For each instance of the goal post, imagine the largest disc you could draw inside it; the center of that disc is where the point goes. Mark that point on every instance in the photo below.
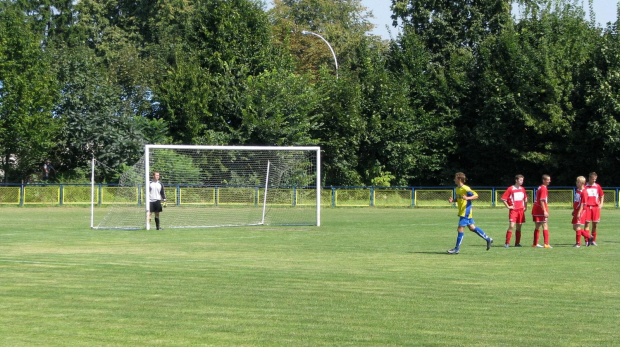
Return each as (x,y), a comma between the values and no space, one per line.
(210,186)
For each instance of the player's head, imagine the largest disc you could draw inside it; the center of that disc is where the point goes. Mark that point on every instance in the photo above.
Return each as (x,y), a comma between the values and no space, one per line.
(460,177)
(592,177)
(156,176)
(546,179)
(580,181)
(519,179)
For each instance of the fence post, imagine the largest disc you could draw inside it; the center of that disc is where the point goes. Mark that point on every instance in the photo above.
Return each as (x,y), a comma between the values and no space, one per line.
(256,191)
(372,196)
(22,193)
(333,196)
(178,199)
(139,195)
(62,193)
(412,197)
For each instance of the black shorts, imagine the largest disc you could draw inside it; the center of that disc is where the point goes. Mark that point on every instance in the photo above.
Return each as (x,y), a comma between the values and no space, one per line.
(156,206)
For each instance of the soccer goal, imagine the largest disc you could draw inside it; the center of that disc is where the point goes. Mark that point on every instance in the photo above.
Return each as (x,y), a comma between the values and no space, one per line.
(212,186)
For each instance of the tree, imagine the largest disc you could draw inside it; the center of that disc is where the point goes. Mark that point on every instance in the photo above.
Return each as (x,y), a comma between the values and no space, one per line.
(521,110)
(27,89)
(206,53)
(597,101)
(344,23)
(447,26)
(98,120)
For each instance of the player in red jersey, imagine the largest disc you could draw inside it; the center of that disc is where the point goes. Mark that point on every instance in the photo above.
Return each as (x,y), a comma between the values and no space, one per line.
(593,204)
(540,212)
(579,213)
(515,200)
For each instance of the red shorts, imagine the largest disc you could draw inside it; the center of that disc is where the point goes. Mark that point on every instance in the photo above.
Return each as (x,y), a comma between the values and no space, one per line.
(593,214)
(516,216)
(579,220)
(539,219)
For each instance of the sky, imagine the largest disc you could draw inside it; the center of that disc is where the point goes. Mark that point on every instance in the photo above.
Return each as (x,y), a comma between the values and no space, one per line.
(605,11)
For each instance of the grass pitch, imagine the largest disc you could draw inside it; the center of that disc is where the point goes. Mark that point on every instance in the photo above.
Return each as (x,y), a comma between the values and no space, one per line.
(367,276)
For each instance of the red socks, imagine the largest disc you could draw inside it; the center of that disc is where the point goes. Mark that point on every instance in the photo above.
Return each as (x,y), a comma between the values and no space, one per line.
(518,241)
(508,236)
(536,236)
(546,236)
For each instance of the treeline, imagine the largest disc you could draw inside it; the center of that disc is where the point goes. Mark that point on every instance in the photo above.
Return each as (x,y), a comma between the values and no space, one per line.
(464,86)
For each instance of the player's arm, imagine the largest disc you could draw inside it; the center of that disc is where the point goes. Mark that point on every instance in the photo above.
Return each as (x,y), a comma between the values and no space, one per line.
(470,195)
(545,207)
(602,199)
(162,192)
(505,197)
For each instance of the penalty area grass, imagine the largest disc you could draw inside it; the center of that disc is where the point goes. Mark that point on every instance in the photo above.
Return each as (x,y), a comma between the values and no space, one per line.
(367,276)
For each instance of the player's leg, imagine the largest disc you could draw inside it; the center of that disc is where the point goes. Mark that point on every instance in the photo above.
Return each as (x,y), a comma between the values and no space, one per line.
(578,232)
(596,217)
(481,233)
(537,225)
(518,235)
(511,226)
(520,219)
(459,239)
(546,235)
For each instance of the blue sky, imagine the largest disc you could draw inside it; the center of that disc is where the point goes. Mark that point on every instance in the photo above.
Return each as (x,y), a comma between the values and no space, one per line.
(605,11)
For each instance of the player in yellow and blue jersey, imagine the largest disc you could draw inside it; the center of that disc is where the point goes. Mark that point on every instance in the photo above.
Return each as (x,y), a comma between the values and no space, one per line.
(464,197)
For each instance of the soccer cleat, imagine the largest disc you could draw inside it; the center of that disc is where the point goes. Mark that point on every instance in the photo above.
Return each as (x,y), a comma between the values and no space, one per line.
(592,243)
(489,243)
(537,245)
(453,251)
(518,245)
(547,246)
(507,245)
(576,245)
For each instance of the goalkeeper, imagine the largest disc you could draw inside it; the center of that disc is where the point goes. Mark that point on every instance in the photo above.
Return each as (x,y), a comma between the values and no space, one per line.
(156,196)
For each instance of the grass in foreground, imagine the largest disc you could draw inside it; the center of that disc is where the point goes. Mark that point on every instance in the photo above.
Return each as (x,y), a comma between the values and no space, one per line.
(366,277)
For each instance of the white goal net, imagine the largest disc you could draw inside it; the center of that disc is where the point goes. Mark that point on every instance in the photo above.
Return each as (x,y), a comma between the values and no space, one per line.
(210,186)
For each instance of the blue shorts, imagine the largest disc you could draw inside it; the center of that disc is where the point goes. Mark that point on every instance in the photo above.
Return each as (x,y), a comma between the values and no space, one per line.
(464,221)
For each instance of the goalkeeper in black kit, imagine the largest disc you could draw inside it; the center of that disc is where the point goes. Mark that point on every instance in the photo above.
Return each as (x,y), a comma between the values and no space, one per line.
(156,196)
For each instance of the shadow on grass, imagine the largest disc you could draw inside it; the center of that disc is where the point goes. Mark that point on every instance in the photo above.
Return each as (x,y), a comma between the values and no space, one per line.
(444,252)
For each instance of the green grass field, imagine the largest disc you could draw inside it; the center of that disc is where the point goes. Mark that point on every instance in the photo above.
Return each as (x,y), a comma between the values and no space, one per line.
(367,276)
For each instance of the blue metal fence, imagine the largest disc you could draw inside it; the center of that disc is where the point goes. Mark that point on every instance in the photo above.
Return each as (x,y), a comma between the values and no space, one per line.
(332,196)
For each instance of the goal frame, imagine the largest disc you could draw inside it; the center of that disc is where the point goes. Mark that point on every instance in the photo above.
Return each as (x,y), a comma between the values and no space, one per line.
(317,149)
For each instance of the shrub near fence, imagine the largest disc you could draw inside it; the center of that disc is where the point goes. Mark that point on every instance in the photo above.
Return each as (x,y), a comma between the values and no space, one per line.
(79,194)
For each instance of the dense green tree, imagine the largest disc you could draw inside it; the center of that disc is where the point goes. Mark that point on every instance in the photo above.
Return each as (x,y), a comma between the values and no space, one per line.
(447,26)
(343,23)
(597,101)
(98,119)
(205,53)
(280,108)
(28,127)
(521,109)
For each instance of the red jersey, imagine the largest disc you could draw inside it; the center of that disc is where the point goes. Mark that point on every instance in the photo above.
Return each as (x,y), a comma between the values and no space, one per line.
(578,199)
(593,194)
(515,197)
(541,195)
